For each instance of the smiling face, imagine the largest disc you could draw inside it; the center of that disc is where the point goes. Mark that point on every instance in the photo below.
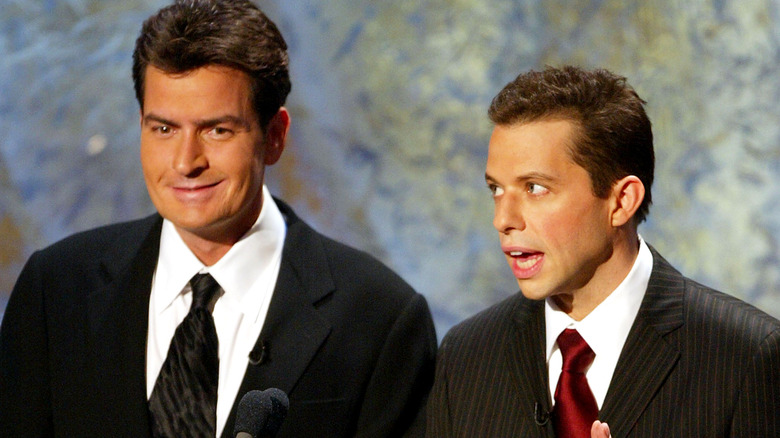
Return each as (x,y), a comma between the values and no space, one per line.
(203,152)
(557,236)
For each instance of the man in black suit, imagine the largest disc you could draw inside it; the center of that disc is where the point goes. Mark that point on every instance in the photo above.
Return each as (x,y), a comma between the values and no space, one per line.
(86,334)
(604,329)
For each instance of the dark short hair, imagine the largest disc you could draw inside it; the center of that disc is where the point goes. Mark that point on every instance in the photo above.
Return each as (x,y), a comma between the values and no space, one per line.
(614,135)
(190,34)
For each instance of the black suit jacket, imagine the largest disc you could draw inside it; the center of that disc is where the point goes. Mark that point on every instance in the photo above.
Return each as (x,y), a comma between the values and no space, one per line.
(347,339)
(696,363)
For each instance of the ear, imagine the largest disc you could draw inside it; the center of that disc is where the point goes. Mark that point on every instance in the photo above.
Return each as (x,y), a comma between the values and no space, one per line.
(276,136)
(627,194)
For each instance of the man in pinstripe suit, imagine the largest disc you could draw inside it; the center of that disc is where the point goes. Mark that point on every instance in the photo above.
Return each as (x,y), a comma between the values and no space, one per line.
(570,166)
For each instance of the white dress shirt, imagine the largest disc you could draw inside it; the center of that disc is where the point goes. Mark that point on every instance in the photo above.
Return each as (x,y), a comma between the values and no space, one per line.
(247,274)
(605,329)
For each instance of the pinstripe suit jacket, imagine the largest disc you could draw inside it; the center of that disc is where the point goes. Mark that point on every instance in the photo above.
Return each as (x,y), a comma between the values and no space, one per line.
(697,363)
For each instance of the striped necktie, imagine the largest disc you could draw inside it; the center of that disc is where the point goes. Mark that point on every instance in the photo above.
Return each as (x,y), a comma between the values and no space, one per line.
(184,399)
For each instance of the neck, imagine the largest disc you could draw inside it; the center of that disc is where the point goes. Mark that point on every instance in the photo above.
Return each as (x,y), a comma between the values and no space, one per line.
(606,278)
(208,252)
(210,246)
(210,243)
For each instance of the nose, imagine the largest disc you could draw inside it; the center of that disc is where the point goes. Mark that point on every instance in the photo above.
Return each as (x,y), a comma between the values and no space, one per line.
(507,215)
(189,159)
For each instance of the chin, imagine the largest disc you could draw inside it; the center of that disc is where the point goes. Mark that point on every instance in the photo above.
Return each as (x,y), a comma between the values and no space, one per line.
(533,293)
(191,223)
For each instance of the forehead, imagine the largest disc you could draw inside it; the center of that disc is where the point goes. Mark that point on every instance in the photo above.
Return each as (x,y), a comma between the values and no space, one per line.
(209,87)
(541,143)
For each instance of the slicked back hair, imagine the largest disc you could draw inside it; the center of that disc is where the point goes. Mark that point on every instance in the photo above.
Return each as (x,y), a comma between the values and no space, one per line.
(614,137)
(190,34)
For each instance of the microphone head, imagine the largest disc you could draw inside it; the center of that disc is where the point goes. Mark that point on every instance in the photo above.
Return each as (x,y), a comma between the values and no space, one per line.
(261,413)
(280,404)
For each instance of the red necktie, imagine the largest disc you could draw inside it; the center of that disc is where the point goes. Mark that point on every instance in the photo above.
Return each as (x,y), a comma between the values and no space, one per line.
(575,407)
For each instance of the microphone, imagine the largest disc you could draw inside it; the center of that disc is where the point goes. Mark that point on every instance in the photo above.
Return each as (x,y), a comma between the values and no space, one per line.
(260,413)
(259,354)
(541,417)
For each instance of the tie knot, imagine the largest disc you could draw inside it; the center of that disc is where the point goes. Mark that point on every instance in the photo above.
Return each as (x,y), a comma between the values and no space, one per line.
(577,354)
(204,287)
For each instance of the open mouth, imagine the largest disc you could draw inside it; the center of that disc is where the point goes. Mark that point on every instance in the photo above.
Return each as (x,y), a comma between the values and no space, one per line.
(525,264)
(525,259)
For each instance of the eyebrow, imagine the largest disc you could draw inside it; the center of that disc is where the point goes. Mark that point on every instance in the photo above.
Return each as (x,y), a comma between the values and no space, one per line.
(205,123)
(527,176)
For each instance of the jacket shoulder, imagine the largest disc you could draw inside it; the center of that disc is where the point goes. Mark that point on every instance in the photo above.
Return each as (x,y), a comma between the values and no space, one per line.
(316,257)
(493,322)
(673,300)
(720,316)
(99,239)
(82,254)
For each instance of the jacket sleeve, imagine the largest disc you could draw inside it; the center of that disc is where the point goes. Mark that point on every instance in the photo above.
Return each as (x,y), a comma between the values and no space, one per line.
(396,396)
(25,408)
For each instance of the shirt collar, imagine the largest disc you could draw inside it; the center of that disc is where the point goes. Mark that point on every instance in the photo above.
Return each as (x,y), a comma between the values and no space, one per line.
(606,327)
(176,265)
(251,259)
(237,271)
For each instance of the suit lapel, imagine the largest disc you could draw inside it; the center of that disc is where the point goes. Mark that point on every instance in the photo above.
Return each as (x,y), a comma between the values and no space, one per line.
(118,324)
(647,357)
(292,333)
(293,330)
(527,361)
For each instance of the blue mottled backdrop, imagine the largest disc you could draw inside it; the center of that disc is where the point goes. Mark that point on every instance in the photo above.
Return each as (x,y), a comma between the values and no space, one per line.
(389,134)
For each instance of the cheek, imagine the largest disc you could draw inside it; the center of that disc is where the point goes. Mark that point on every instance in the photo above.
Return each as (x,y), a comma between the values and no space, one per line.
(245,174)
(557,223)
(149,168)
(561,229)
(152,158)
(578,236)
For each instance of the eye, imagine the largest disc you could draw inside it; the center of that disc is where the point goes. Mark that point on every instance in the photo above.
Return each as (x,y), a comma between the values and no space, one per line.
(495,190)
(537,189)
(162,130)
(220,132)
